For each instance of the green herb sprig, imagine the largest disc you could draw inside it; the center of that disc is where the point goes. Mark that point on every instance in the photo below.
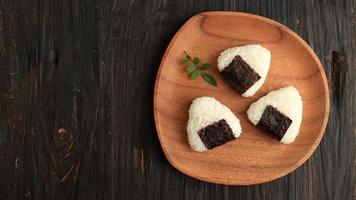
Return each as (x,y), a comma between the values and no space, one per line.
(195,71)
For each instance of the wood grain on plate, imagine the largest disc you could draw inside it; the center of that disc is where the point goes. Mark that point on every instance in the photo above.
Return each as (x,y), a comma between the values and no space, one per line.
(254,157)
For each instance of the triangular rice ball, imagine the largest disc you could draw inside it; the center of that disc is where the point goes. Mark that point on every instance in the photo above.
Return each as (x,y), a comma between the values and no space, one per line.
(245,67)
(279,113)
(211,124)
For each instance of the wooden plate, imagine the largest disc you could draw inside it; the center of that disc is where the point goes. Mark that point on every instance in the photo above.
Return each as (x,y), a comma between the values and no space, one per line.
(254,157)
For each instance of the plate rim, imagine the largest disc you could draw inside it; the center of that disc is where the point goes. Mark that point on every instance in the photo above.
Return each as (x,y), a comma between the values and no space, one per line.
(288,170)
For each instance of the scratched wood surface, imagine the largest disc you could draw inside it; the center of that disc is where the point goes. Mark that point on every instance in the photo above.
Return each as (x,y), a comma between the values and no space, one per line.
(76,99)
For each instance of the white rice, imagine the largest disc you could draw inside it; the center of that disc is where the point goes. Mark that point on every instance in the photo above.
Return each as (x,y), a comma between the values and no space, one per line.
(205,111)
(287,101)
(255,55)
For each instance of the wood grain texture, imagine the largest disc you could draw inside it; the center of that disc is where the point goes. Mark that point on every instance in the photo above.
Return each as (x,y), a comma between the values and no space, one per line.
(111,51)
(254,157)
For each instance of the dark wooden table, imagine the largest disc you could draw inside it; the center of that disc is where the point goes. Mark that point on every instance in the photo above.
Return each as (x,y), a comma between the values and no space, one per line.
(76,99)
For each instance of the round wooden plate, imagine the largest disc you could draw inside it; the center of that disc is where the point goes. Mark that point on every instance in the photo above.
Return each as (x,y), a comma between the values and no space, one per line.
(254,157)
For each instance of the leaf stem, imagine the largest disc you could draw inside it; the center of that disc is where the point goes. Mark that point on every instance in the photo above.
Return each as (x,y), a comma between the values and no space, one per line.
(196,71)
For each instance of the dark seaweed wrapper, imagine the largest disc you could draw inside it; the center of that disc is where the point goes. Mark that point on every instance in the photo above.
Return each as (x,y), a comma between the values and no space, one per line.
(274,122)
(240,75)
(216,134)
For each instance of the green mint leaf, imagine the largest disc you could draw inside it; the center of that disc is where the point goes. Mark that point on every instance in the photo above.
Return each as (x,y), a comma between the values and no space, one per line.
(196,60)
(210,79)
(186,61)
(195,75)
(205,66)
(191,68)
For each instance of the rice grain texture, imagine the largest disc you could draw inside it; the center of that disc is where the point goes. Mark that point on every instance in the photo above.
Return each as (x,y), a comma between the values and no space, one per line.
(255,55)
(205,111)
(287,101)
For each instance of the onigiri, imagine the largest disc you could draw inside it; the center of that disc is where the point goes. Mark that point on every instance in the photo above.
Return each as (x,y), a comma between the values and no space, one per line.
(279,113)
(211,124)
(245,67)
